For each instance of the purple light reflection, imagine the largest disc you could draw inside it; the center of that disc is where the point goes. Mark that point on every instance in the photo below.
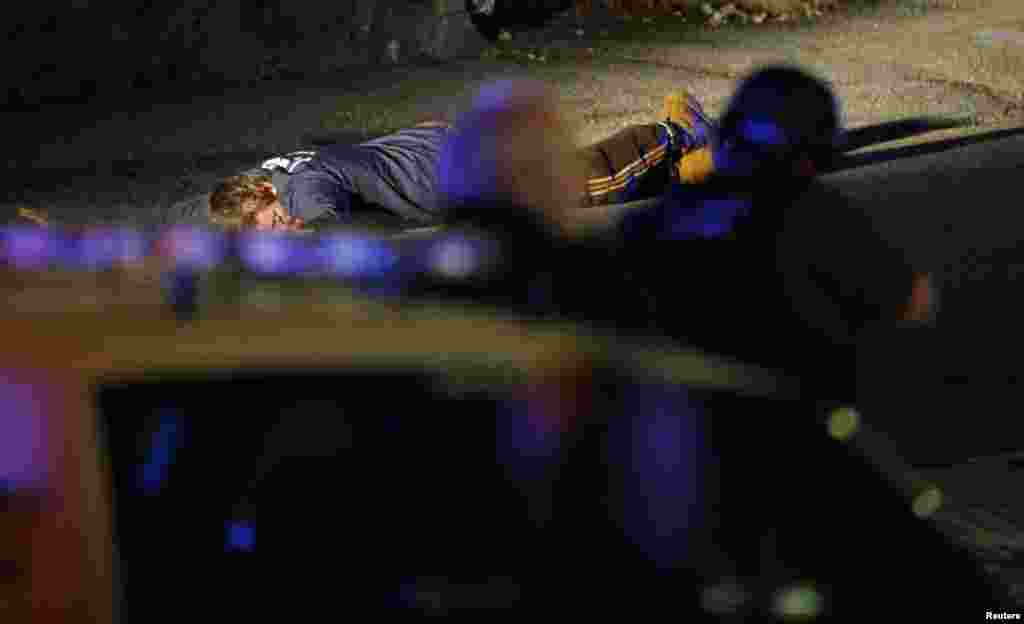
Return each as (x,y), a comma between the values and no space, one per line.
(661,445)
(527,445)
(29,247)
(101,248)
(23,461)
(194,247)
(276,253)
(456,257)
(357,256)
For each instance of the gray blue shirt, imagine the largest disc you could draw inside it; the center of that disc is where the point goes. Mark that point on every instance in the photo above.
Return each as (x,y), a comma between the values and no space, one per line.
(396,173)
(393,175)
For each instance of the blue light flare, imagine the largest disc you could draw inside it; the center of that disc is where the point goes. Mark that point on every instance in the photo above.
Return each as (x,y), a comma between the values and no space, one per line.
(708,218)
(276,253)
(757,146)
(455,257)
(356,256)
(29,247)
(194,247)
(101,248)
(240,536)
(164,445)
(664,450)
(762,132)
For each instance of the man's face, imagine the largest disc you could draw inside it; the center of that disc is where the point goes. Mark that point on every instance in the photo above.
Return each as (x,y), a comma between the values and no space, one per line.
(272,216)
(265,218)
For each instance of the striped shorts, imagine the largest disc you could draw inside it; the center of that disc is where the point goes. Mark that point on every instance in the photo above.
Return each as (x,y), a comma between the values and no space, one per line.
(634,163)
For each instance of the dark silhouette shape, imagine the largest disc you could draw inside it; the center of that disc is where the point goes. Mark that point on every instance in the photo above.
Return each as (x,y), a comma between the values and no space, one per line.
(866,136)
(843,162)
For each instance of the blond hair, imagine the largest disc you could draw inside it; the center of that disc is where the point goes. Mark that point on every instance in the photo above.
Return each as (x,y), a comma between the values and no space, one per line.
(236,199)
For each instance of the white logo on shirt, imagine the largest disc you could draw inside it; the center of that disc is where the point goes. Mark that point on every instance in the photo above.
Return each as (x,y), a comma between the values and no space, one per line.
(288,162)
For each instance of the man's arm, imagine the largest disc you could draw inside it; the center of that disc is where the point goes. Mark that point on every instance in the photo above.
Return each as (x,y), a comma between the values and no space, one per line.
(314,193)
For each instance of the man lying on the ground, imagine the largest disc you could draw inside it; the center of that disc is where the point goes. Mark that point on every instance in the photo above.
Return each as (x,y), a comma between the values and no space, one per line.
(396,175)
(760,262)
(393,174)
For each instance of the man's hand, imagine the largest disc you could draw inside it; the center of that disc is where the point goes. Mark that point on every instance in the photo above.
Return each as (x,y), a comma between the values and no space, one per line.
(274,217)
(291,224)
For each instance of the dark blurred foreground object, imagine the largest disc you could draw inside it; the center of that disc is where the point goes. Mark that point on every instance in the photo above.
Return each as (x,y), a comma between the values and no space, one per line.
(749,263)
(492,16)
(19,512)
(598,491)
(433,459)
